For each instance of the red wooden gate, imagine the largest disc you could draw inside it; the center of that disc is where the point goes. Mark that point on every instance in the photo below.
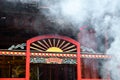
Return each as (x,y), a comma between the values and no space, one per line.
(52,36)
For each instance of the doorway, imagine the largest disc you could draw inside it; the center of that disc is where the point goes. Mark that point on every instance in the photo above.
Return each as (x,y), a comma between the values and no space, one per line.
(53,72)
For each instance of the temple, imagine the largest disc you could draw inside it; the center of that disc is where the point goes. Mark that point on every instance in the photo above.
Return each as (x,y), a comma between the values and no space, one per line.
(51,57)
(35,48)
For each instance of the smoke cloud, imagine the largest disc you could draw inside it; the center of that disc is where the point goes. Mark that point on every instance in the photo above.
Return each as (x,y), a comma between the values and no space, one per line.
(102,15)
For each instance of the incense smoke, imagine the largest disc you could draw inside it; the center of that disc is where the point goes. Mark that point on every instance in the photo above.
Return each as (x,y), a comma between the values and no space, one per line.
(102,15)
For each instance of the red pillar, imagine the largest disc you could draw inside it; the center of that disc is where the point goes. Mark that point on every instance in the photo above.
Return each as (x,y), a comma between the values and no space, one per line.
(28,61)
(78,63)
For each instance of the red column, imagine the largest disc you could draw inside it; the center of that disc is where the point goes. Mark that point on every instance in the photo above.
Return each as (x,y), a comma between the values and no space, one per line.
(28,61)
(78,63)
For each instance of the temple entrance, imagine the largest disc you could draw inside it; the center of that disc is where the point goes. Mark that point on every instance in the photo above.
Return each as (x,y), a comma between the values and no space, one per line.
(53,72)
(53,49)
